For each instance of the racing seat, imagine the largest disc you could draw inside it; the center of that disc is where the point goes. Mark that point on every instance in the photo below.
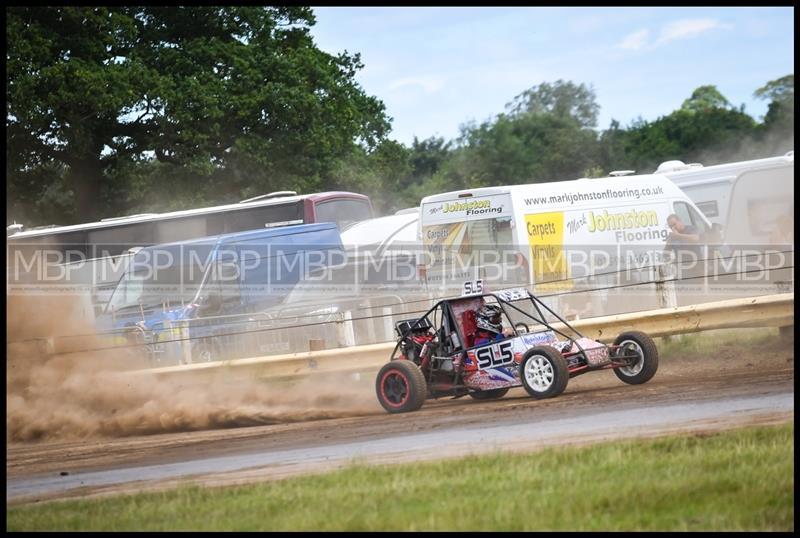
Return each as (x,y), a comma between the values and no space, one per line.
(470,326)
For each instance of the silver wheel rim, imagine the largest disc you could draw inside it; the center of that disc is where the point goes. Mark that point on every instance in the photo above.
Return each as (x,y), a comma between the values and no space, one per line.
(539,373)
(205,355)
(636,367)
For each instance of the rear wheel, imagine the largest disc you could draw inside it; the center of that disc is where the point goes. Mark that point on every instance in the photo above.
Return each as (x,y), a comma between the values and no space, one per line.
(544,372)
(643,369)
(492,394)
(400,386)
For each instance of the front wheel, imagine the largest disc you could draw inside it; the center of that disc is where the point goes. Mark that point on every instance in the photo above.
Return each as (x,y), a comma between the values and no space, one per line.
(400,386)
(642,369)
(544,372)
(491,394)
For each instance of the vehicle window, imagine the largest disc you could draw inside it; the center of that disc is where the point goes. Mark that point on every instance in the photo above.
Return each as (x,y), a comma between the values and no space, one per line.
(40,257)
(225,283)
(75,241)
(114,240)
(709,209)
(215,224)
(763,214)
(269,278)
(689,216)
(255,218)
(168,231)
(467,238)
(343,212)
(357,275)
(682,210)
(151,285)
(63,242)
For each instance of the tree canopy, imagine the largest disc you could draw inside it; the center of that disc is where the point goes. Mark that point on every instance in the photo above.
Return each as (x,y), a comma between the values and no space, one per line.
(547,135)
(780,112)
(705,98)
(563,99)
(239,97)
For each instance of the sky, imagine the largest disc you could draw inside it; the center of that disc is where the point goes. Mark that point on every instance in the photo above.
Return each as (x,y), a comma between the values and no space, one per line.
(438,68)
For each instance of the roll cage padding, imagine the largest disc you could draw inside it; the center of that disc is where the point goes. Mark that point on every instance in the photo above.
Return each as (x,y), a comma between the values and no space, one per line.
(470,326)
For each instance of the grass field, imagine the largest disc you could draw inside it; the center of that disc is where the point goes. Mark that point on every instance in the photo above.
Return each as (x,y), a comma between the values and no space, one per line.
(697,344)
(736,480)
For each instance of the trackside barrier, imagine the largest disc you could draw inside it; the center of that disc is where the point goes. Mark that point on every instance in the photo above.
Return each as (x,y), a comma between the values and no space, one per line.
(309,362)
(765,311)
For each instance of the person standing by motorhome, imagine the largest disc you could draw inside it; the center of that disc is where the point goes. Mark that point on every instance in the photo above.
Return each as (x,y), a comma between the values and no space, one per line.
(682,234)
(685,243)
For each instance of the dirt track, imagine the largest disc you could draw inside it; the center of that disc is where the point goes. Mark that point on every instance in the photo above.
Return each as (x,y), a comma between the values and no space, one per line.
(681,386)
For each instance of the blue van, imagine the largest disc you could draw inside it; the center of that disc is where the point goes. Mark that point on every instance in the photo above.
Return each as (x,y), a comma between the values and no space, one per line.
(186,301)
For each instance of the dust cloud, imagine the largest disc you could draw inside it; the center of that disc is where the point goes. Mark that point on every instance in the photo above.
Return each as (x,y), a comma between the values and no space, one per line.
(84,395)
(773,144)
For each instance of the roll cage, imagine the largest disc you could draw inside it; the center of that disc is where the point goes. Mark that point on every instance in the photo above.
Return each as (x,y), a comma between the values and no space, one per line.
(450,324)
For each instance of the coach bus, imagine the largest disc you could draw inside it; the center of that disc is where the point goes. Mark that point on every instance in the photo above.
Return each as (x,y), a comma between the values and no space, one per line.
(93,256)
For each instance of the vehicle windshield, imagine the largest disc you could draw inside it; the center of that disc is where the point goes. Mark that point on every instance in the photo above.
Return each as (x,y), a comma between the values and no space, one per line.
(153,284)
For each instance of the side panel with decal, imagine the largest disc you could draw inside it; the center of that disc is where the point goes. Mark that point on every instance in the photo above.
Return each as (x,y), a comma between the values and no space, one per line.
(494,355)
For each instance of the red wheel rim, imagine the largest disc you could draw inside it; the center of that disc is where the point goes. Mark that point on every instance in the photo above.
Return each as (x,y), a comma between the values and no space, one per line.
(395,388)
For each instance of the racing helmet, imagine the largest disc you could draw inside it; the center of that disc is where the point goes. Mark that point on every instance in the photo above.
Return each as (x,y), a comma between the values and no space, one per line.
(487,318)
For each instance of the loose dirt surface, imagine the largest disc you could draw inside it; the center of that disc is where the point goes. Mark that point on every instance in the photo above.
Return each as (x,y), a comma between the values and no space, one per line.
(729,375)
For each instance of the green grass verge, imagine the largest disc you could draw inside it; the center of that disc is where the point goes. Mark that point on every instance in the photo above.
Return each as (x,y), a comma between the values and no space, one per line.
(697,344)
(737,480)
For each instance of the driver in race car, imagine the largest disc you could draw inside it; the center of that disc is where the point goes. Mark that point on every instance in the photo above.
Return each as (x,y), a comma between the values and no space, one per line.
(490,325)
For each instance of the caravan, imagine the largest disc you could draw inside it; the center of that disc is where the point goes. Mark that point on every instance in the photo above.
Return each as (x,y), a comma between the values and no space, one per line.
(752,200)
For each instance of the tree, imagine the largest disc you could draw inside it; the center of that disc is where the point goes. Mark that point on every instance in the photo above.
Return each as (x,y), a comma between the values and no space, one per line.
(705,98)
(545,136)
(561,99)
(780,92)
(685,135)
(427,157)
(381,173)
(232,100)
(612,146)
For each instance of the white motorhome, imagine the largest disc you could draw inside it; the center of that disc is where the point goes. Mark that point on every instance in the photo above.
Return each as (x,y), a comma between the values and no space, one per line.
(752,200)
(385,235)
(552,235)
(377,285)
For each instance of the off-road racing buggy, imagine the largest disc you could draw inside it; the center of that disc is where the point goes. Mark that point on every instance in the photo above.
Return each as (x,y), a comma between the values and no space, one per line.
(445,352)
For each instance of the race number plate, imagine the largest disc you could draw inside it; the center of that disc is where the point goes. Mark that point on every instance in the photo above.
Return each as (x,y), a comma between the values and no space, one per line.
(512,294)
(472,287)
(495,355)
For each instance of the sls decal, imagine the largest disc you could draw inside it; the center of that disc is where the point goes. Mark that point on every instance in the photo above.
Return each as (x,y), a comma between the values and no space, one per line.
(495,355)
